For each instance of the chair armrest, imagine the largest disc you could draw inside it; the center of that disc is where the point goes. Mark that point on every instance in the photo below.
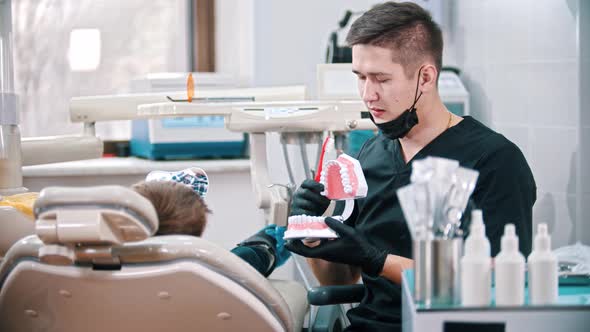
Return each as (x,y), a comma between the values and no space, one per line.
(326,295)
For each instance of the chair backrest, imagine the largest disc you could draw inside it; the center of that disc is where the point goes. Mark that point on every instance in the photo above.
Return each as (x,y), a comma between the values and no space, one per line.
(94,280)
(14,225)
(177,283)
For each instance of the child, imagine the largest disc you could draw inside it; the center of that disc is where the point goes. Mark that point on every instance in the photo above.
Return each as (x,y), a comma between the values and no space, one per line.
(179,202)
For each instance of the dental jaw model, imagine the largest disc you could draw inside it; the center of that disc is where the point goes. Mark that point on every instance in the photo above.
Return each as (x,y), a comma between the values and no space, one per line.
(343,180)
(309,228)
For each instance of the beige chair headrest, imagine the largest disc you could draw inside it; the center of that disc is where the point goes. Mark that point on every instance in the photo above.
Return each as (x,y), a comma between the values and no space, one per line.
(93,215)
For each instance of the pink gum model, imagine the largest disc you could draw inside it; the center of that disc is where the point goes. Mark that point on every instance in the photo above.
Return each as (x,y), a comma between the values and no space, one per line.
(343,178)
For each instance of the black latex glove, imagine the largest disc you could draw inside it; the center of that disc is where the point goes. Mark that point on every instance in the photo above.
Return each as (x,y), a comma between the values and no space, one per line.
(308,200)
(351,248)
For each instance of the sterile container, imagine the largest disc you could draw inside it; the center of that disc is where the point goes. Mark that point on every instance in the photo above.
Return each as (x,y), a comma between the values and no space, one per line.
(446,274)
(422,254)
(437,272)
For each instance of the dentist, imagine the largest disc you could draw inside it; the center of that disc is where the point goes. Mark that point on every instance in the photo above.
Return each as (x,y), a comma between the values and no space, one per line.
(397,57)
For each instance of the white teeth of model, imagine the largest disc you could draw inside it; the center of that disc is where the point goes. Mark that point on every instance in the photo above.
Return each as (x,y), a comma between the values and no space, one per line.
(345,178)
(346,181)
(348,189)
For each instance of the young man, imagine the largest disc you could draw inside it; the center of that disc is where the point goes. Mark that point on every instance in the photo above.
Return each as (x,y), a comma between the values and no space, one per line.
(397,57)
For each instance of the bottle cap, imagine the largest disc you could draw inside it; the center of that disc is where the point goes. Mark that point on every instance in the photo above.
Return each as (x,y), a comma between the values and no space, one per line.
(477,225)
(509,239)
(476,243)
(542,239)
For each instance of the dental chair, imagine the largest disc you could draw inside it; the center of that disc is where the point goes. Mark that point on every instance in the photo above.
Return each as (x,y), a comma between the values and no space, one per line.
(19,227)
(93,266)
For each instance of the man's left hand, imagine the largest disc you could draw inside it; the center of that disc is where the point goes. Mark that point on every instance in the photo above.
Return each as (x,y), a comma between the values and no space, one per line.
(351,248)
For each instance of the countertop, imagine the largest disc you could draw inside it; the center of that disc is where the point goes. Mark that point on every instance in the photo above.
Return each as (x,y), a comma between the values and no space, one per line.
(132,165)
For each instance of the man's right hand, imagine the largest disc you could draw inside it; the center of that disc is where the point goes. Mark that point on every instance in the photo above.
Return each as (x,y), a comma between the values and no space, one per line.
(308,200)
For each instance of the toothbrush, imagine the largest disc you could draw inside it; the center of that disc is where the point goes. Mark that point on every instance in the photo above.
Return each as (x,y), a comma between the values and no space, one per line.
(328,145)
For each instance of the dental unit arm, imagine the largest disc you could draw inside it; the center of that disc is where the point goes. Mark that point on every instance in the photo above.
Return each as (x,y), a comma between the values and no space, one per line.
(10,154)
(255,118)
(16,152)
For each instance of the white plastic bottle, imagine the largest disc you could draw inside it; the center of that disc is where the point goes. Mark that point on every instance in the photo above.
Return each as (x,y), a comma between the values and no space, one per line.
(509,271)
(476,274)
(542,264)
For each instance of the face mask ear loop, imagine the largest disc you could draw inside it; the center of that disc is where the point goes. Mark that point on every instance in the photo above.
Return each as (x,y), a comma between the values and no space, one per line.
(416,96)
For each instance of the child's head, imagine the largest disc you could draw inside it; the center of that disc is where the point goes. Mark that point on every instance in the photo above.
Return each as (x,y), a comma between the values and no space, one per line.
(180,209)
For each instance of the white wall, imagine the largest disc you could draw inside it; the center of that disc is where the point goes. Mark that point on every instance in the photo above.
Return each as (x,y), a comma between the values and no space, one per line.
(584,77)
(234,35)
(290,38)
(521,64)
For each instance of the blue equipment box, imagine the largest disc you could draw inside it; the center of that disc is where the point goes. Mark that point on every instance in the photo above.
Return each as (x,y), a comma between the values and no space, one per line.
(185,138)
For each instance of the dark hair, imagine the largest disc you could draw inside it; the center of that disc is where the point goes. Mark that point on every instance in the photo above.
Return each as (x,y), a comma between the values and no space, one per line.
(180,209)
(405,27)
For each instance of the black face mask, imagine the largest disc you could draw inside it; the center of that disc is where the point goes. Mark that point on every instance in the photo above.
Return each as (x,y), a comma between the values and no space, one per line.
(400,126)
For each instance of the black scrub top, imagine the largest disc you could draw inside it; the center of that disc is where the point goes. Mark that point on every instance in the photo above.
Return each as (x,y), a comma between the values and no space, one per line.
(505,192)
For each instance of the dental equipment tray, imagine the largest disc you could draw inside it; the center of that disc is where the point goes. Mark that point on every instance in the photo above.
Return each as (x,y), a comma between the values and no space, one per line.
(570,313)
(185,138)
